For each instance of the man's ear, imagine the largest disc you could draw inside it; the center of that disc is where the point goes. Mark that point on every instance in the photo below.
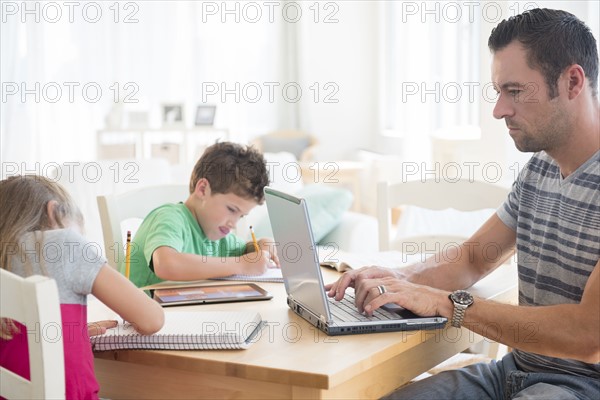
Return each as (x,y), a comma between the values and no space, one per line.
(575,76)
(51,208)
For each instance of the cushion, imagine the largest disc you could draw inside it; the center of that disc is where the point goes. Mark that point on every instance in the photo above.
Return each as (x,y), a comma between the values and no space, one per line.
(417,221)
(326,206)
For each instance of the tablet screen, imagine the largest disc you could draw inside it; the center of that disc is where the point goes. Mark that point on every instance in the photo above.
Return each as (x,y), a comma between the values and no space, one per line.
(210,294)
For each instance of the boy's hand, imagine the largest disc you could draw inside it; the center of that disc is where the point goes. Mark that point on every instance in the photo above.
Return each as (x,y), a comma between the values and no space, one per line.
(268,244)
(255,263)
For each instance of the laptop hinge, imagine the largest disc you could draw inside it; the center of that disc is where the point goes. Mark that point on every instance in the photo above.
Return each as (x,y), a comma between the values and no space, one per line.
(322,318)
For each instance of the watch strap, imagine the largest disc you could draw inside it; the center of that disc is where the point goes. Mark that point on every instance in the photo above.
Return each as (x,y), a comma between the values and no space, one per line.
(458,315)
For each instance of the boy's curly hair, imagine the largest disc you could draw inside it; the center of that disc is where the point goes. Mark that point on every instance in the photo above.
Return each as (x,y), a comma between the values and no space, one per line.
(232,168)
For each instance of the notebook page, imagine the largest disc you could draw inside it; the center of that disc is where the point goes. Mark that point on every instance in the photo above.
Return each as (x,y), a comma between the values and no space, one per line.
(271,275)
(343,261)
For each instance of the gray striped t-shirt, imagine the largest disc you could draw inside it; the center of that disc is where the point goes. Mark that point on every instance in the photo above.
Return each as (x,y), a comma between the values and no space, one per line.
(557,222)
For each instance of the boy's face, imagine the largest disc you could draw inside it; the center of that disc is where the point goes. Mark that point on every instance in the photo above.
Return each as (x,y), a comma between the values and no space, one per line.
(218,213)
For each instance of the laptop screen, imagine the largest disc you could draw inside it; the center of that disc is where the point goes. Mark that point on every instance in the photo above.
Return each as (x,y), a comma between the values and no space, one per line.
(297,251)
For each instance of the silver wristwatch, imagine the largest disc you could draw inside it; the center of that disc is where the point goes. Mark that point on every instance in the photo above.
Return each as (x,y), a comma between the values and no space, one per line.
(462,300)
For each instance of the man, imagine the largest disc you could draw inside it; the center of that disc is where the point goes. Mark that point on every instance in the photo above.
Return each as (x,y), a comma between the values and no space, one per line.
(545,69)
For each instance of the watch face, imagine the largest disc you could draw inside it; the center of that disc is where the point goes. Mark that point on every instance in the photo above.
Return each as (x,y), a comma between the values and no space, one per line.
(462,297)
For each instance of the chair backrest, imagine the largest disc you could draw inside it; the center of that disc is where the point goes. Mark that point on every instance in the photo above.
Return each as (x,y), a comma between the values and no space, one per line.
(132,207)
(34,302)
(86,180)
(301,144)
(461,195)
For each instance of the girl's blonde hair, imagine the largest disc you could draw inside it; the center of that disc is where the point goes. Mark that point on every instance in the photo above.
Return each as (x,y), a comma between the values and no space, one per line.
(24,208)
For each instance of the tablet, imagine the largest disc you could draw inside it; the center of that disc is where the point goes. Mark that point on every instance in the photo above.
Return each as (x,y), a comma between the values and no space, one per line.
(210,294)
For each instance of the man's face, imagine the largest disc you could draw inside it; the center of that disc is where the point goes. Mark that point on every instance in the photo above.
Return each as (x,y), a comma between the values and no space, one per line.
(535,121)
(219,213)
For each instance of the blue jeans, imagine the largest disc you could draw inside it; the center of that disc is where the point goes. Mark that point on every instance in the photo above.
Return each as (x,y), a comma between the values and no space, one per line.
(499,380)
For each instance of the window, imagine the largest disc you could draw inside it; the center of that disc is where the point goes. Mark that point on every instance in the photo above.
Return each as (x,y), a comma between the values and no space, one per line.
(132,57)
(431,67)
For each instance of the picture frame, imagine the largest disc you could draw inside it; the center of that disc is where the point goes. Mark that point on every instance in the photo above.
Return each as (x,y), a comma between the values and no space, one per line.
(205,115)
(172,115)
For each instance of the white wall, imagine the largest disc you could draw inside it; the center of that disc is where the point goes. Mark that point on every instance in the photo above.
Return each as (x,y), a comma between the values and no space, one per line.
(345,54)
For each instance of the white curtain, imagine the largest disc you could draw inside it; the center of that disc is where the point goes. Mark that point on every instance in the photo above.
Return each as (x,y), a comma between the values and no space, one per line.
(142,54)
(431,66)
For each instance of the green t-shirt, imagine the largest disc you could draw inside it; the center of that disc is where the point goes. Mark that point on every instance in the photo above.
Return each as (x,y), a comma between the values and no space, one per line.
(173,225)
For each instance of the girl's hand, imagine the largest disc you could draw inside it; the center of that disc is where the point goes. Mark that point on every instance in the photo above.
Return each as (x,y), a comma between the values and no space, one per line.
(100,327)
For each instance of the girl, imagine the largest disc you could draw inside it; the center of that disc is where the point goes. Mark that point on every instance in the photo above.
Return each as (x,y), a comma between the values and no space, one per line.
(40,231)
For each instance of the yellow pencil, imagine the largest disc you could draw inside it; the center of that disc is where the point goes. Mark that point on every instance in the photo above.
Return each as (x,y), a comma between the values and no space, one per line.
(256,248)
(127,254)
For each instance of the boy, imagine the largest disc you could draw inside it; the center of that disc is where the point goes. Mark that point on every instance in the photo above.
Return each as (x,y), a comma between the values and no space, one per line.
(192,240)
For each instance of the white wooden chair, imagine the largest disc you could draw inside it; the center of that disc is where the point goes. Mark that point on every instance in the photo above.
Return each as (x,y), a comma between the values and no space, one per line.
(461,195)
(87,180)
(125,211)
(34,302)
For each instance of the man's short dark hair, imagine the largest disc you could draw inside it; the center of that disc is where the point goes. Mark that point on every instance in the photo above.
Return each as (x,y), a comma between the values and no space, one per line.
(232,168)
(554,40)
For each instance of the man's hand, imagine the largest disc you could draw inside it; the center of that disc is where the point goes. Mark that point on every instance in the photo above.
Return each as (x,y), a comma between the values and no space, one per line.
(354,279)
(421,300)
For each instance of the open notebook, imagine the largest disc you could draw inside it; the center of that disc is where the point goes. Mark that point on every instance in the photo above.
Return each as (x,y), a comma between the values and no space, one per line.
(344,261)
(270,275)
(187,330)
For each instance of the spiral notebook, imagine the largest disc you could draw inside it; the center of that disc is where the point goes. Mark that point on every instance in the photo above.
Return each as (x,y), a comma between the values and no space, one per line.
(187,330)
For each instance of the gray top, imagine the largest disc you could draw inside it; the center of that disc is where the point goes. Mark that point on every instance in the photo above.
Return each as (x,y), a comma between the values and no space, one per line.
(68,257)
(557,222)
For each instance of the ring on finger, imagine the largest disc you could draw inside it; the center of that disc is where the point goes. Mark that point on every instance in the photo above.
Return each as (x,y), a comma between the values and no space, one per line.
(381,289)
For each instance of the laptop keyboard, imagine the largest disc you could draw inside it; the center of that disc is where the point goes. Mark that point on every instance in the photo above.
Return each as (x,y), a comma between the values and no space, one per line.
(345,310)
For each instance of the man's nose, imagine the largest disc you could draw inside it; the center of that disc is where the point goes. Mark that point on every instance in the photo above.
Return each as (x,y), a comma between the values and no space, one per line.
(503,108)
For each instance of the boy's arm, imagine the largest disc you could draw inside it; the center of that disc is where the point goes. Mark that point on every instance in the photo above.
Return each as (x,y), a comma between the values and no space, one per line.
(169,264)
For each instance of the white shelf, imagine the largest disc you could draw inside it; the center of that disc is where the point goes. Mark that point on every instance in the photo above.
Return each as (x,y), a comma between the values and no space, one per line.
(179,145)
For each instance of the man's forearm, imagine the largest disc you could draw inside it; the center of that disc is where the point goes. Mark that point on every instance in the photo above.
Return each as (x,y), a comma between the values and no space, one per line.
(449,270)
(565,330)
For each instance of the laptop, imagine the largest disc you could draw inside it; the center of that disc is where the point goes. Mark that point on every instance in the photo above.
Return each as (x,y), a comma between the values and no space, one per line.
(303,281)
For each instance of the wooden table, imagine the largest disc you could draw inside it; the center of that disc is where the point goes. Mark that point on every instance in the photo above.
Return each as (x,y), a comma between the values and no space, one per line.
(291,359)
